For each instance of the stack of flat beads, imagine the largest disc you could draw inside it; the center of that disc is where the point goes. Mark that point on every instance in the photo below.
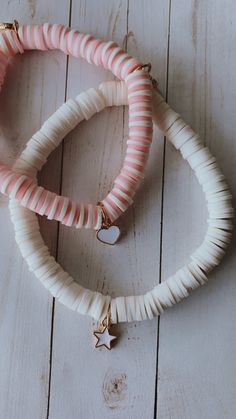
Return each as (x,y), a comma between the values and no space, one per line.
(111,57)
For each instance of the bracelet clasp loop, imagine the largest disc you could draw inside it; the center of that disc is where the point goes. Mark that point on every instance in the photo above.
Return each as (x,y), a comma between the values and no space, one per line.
(106,222)
(148,67)
(11,26)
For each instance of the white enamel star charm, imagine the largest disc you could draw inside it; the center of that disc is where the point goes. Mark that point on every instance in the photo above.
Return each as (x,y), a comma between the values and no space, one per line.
(103,338)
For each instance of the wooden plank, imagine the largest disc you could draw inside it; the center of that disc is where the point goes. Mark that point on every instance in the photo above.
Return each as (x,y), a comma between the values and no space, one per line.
(197,367)
(121,383)
(34,88)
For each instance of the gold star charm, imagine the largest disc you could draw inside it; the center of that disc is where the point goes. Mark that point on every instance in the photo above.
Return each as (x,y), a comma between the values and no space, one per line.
(103,336)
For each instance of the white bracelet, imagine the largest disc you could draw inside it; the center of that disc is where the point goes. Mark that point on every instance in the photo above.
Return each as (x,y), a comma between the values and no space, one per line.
(174,289)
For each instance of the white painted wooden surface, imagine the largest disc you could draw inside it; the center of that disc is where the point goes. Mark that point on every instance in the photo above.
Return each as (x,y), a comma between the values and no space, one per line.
(182,366)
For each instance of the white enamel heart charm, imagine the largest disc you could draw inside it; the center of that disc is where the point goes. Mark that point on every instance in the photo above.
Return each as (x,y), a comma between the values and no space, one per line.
(108,235)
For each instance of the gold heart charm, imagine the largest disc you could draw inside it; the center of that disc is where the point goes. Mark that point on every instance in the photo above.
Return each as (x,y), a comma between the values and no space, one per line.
(109,235)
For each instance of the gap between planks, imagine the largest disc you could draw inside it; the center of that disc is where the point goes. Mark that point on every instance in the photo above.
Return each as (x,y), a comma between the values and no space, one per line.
(57,237)
(155,413)
(155,404)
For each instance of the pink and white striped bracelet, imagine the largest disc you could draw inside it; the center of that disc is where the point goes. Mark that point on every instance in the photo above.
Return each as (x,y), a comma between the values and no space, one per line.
(139,85)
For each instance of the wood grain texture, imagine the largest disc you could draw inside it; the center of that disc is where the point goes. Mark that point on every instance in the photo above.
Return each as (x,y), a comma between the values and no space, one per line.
(197,338)
(183,366)
(34,88)
(114,380)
